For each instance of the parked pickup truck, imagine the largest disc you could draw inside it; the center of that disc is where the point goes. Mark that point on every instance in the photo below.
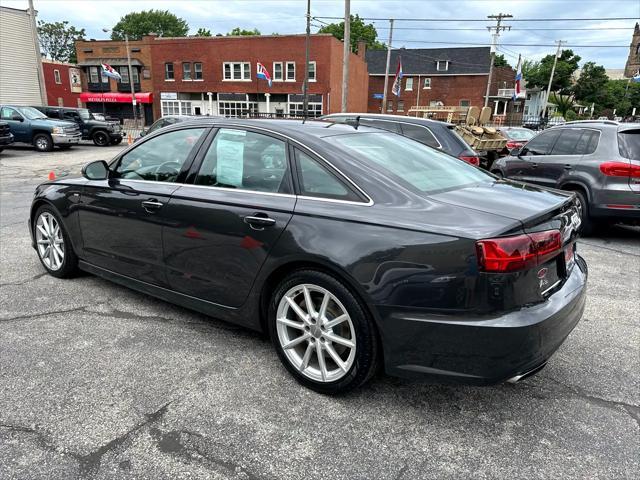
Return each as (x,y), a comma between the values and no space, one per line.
(6,137)
(103,133)
(31,126)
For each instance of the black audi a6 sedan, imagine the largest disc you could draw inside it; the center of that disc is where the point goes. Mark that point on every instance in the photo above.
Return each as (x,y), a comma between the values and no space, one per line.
(352,248)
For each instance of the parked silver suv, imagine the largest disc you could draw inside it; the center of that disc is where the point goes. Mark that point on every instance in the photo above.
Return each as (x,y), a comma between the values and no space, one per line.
(598,160)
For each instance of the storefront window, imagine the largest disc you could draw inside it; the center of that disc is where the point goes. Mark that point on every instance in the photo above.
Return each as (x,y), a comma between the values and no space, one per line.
(237,109)
(297,109)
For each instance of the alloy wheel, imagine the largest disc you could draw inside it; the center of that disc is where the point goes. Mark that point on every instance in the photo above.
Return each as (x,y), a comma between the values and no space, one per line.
(49,241)
(316,333)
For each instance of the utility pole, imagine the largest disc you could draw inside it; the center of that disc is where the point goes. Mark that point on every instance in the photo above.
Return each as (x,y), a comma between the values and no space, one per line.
(494,43)
(305,104)
(133,91)
(386,70)
(553,71)
(346,54)
(36,40)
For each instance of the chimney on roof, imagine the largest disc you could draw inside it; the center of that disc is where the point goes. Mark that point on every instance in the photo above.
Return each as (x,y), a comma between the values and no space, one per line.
(362,48)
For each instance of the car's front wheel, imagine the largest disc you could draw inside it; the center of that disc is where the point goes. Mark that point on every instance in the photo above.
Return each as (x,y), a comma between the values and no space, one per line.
(100,138)
(53,245)
(43,142)
(116,141)
(322,333)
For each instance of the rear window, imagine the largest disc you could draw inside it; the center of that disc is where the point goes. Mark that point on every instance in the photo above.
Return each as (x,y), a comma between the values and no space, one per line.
(519,134)
(420,134)
(422,168)
(629,144)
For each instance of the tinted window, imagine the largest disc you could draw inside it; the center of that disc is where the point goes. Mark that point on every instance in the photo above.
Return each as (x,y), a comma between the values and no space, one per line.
(421,134)
(567,142)
(541,144)
(70,115)
(161,158)
(588,142)
(629,144)
(6,113)
(158,125)
(382,124)
(247,160)
(518,133)
(421,167)
(317,181)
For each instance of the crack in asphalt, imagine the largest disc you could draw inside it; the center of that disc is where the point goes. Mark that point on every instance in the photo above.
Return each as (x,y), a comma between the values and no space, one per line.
(631,410)
(33,278)
(90,463)
(53,312)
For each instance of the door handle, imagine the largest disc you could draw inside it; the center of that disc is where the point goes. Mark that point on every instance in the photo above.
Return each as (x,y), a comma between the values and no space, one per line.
(258,221)
(152,205)
(534,165)
(568,166)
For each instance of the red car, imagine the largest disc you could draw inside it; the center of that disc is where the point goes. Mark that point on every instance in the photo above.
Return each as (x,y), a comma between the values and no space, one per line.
(516,138)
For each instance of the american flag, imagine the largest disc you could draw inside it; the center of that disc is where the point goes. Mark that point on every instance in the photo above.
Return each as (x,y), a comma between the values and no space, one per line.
(516,90)
(397,82)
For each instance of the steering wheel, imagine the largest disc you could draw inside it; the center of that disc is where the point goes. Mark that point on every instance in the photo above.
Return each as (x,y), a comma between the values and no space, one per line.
(167,174)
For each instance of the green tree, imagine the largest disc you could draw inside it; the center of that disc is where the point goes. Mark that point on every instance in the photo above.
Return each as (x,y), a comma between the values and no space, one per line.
(563,102)
(537,73)
(138,24)
(500,61)
(591,83)
(57,40)
(203,32)
(238,32)
(359,32)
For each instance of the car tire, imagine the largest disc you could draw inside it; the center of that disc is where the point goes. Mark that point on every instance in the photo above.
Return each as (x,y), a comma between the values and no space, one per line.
(116,141)
(49,231)
(331,358)
(587,225)
(43,142)
(100,138)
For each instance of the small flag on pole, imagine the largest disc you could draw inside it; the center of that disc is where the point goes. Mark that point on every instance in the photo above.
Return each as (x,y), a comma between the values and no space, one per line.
(397,82)
(110,72)
(261,72)
(516,90)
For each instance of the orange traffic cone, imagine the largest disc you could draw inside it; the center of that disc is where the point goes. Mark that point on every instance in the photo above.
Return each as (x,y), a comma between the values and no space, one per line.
(52,176)
(130,139)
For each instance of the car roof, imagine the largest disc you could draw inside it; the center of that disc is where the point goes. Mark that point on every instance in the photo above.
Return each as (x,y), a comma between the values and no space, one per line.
(395,118)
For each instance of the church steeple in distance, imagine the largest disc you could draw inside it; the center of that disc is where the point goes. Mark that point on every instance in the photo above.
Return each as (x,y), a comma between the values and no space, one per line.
(633,61)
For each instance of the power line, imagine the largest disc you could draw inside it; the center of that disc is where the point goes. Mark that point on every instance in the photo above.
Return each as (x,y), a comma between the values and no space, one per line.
(428,29)
(603,19)
(480,44)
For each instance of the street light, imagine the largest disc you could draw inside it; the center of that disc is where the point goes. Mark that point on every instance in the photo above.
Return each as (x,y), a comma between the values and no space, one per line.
(133,93)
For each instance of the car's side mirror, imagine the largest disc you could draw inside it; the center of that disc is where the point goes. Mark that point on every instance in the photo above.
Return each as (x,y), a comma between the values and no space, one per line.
(98,170)
(516,152)
(143,133)
(17,118)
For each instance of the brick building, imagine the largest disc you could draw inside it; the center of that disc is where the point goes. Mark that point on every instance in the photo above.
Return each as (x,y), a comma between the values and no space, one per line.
(452,77)
(104,95)
(63,82)
(217,75)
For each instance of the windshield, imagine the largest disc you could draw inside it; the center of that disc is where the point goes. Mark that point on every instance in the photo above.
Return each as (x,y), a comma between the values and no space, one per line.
(423,168)
(519,134)
(31,113)
(84,114)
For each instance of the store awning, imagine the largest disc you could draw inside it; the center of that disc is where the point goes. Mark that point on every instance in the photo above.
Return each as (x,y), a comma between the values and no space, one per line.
(112,97)
(114,62)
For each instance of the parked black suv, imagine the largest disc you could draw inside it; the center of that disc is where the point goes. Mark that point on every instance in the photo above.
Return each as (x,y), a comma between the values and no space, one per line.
(101,132)
(6,137)
(598,160)
(431,133)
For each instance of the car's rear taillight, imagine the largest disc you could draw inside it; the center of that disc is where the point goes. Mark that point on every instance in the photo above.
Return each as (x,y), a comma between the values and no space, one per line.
(620,169)
(519,252)
(469,159)
(512,145)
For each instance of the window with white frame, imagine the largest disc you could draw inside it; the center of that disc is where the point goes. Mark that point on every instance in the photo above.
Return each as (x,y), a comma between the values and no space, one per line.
(465,103)
(186,71)
(197,71)
(312,71)
(93,75)
(426,83)
(237,108)
(238,71)
(56,76)
(442,65)
(408,85)
(390,106)
(124,74)
(291,71)
(314,109)
(401,105)
(277,72)
(136,74)
(175,107)
(168,71)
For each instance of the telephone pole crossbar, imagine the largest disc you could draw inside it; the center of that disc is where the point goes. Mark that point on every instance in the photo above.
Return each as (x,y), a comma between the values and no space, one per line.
(494,43)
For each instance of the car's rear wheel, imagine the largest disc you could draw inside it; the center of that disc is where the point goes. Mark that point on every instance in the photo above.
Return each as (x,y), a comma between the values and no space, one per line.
(43,142)
(116,141)
(322,333)
(587,225)
(100,138)
(53,245)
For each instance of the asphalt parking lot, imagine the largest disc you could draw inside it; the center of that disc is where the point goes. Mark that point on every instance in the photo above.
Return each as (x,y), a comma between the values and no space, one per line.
(97,381)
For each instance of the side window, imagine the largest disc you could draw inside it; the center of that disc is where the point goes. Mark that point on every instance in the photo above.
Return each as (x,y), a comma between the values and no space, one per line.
(588,142)
(317,181)
(161,158)
(420,134)
(392,127)
(158,125)
(567,142)
(246,160)
(70,116)
(541,144)
(6,113)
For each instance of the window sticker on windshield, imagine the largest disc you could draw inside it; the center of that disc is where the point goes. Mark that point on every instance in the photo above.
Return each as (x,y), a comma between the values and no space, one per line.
(230,155)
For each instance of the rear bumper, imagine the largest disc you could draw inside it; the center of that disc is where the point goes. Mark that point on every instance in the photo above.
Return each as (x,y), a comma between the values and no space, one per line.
(481,350)
(62,139)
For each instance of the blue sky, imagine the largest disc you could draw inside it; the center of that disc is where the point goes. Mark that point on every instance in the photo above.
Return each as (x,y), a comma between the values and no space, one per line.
(287,16)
